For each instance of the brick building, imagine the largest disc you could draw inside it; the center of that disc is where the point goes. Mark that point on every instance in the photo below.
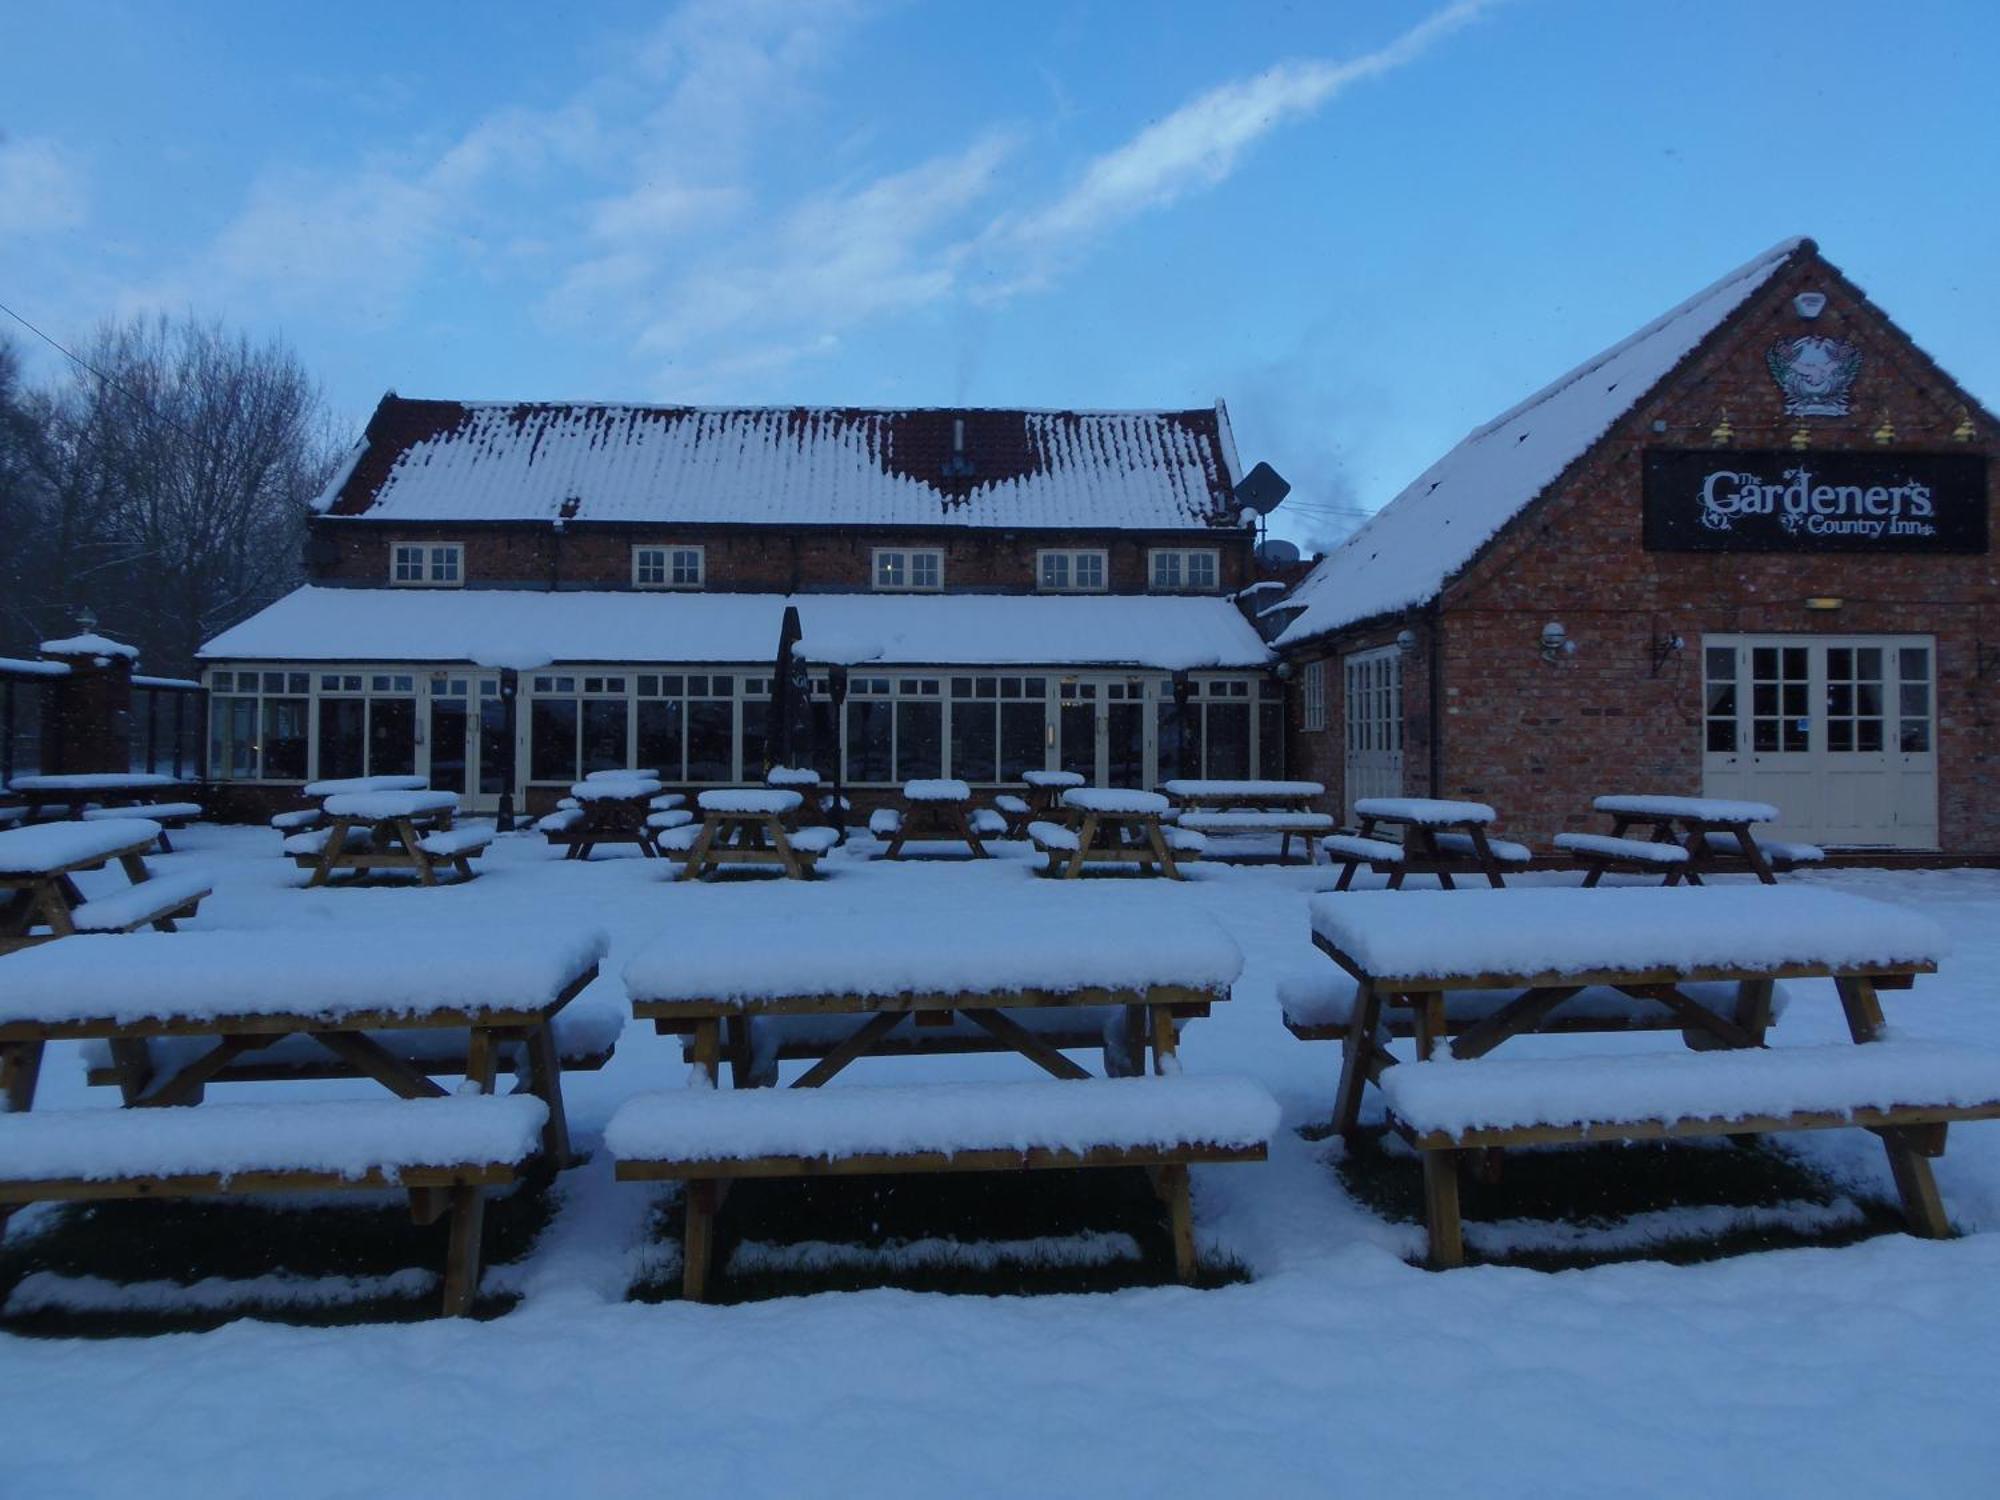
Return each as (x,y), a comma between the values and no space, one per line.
(505,597)
(1744,552)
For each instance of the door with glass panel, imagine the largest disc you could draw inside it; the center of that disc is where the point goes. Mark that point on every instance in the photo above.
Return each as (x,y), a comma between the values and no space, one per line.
(1838,732)
(465,740)
(1373,710)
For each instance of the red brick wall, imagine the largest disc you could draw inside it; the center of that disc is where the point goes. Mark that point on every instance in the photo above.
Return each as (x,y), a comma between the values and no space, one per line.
(1538,741)
(765,559)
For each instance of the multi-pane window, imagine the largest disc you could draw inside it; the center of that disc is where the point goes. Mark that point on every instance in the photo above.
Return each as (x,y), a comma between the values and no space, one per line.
(1720,719)
(1071,572)
(427,564)
(258,725)
(1191,569)
(999,727)
(1780,688)
(1374,703)
(667,567)
(909,568)
(1315,696)
(1914,737)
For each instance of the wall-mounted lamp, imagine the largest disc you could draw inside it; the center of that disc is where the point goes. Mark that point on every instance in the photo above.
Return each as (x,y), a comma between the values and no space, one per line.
(1963,432)
(1801,438)
(1809,305)
(1284,671)
(1886,432)
(1556,643)
(1406,641)
(1722,434)
(1666,648)
(1824,603)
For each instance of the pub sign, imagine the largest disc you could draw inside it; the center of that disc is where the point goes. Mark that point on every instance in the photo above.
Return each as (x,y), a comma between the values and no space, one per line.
(1776,500)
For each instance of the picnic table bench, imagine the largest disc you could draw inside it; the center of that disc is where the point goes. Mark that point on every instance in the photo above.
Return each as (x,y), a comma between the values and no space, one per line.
(241,992)
(96,795)
(389,830)
(1252,807)
(1114,826)
(1684,838)
(746,827)
(1548,948)
(607,808)
(1436,836)
(934,809)
(313,814)
(38,866)
(875,973)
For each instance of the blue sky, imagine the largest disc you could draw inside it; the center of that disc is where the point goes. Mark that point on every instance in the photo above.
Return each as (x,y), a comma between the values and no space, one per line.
(1367,227)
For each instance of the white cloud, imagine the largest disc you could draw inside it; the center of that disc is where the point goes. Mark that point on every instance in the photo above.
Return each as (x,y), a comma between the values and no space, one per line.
(41,189)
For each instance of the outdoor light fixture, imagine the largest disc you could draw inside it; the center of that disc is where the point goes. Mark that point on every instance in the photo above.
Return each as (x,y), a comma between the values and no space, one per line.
(1667,648)
(1824,603)
(1722,432)
(1406,641)
(1556,643)
(1809,304)
(1284,670)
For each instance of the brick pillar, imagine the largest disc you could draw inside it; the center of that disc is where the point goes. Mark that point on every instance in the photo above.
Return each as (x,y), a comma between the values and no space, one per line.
(88,723)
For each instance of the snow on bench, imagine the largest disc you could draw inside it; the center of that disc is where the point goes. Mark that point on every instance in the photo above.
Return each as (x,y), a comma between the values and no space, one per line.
(1317,1005)
(1601,846)
(561,821)
(813,841)
(615,789)
(1012,806)
(776,1037)
(1504,851)
(43,847)
(1196,790)
(885,822)
(350,1140)
(1115,800)
(155,812)
(1257,822)
(622,773)
(1053,838)
(798,778)
(344,784)
(1709,809)
(986,823)
(1560,930)
(1428,811)
(195,976)
(678,839)
(456,843)
(1352,847)
(668,801)
(1462,1103)
(773,803)
(936,790)
(156,900)
(703,1128)
(376,807)
(12,813)
(1777,851)
(1183,841)
(1055,945)
(669,817)
(291,822)
(1052,779)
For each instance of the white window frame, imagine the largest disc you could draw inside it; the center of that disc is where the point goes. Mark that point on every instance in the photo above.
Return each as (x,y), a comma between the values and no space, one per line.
(1071,559)
(1180,559)
(906,558)
(432,557)
(1314,694)
(670,557)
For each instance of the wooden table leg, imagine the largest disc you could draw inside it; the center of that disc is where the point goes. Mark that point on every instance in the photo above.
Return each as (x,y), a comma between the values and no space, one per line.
(329,853)
(707,1051)
(1443,1226)
(1916,1186)
(698,856)
(698,1239)
(461,1265)
(1157,837)
(1427,1010)
(1166,1045)
(1356,1051)
(20,1067)
(1171,1183)
(1751,852)
(545,1082)
(1086,835)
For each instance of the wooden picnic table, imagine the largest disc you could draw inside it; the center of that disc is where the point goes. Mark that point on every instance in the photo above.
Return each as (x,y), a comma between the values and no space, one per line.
(1716,833)
(38,866)
(1284,808)
(246,991)
(931,809)
(1045,789)
(1424,953)
(1436,836)
(1112,825)
(614,809)
(113,794)
(748,828)
(389,830)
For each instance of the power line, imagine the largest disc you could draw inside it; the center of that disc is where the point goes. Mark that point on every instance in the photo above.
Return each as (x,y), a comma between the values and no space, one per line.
(130,395)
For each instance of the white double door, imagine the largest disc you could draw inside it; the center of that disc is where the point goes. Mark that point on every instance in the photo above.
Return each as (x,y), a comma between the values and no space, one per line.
(1372,712)
(1839,732)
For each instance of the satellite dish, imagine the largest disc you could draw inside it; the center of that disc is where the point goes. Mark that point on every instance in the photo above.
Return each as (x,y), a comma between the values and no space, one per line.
(1262,489)
(1277,551)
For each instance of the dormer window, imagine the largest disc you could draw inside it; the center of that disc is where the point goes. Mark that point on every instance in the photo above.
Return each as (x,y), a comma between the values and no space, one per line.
(427,564)
(668,567)
(914,569)
(1070,572)
(1192,570)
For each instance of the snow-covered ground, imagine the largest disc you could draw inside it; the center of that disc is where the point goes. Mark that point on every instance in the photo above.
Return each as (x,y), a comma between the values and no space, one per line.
(1339,1369)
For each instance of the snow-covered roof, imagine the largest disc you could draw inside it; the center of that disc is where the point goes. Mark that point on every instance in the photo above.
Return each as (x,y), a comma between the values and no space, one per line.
(430,461)
(1406,553)
(525,628)
(89,645)
(20,666)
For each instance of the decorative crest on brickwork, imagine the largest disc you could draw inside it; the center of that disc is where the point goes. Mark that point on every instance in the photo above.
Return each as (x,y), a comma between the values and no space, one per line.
(1815,373)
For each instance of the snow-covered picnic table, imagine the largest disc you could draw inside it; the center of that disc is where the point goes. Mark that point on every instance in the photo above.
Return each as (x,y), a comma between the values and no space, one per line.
(746,827)
(241,992)
(1285,808)
(1434,836)
(885,973)
(113,794)
(400,829)
(1652,945)
(38,866)
(606,807)
(934,809)
(1684,838)
(1112,825)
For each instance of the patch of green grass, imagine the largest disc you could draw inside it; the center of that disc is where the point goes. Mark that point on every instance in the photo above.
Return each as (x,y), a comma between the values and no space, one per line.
(879,1213)
(189,1240)
(1599,1185)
